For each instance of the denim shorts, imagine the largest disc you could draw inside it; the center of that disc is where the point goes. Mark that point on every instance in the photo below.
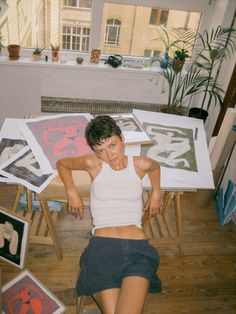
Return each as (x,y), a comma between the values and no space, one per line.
(106,261)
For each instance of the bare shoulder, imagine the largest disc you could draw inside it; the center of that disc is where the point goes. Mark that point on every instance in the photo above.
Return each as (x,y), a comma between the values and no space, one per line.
(92,161)
(85,162)
(145,164)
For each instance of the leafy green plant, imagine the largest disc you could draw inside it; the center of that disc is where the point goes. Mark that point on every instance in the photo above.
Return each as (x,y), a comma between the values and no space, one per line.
(213,47)
(1,39)
(181,54)
(38,50)
(55,46)
(179,38)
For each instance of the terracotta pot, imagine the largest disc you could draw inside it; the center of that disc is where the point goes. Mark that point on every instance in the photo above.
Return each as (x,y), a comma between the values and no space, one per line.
(14,51)
(180,111)
(177,65)
(55,55)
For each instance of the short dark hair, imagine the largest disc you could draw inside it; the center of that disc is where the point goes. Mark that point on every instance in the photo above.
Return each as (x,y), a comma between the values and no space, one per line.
(101,128)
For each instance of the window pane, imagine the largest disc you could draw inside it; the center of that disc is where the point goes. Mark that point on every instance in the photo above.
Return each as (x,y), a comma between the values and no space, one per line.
(70,3)
(136,31)
(85,3)
(43,22)
(164,17)
(153,17)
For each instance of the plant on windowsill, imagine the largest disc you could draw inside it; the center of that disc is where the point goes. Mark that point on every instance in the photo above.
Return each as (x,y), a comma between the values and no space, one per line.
(214,46)
(55,52)
(179,38)
(37,53)
(179,59)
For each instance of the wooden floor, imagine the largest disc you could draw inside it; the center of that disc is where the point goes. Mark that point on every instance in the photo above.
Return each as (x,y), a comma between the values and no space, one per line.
(202,280)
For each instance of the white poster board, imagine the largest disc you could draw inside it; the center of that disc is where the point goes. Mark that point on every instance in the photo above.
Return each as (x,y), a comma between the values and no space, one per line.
(17,161)
(54,137)
(180,147)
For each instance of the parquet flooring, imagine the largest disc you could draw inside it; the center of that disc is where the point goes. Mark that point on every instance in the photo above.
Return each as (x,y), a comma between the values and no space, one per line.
(202,280)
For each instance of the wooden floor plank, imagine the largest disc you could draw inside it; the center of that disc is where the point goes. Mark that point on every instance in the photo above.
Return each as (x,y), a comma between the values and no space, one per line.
(202,280)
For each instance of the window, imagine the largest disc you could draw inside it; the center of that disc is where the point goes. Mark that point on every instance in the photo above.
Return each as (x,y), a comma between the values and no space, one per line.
(112,36)
(159,17)
(151,53)
(116,27)
(78,3)
(75,38)
(128,32)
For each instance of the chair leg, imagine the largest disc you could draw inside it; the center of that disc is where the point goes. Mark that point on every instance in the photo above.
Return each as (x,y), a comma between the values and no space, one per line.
(20,191)
(80,304)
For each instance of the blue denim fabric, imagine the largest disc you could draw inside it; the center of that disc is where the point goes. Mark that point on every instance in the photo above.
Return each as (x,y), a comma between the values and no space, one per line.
(106,261)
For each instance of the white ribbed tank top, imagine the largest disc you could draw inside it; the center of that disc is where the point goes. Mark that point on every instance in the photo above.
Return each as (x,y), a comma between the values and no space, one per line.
(116,197)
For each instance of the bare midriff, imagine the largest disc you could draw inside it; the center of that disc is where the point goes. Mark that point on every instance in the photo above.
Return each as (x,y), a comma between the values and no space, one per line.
(122,232)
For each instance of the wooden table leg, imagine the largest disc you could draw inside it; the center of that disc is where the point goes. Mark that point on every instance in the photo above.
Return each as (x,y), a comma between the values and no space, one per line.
(51,228)
(179,220)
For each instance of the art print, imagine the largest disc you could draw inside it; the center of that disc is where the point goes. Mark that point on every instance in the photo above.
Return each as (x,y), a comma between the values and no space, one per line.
(180,147)
(25,169)
(11,142)
(173,147)
(14,234)
(55,137)
(132,130)
(9,147)
(26,294)
(95,56)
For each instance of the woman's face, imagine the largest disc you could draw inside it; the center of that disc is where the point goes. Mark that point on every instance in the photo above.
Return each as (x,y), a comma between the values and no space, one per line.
(111,150)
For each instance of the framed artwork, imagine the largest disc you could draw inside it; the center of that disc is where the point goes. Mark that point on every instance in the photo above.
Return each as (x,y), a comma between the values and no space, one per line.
(26,294)
(95,56)
(14,237)
(54,137)
(132,129)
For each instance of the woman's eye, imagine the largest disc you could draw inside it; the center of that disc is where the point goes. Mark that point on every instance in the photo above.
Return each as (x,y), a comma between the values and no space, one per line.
(113,146)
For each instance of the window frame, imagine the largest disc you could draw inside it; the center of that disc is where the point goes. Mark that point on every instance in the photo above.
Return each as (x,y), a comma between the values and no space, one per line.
(115,26)
(201,6)
(75,35)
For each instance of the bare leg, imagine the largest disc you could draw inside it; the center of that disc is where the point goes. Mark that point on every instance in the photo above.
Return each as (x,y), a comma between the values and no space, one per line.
(132,295)
(107,300)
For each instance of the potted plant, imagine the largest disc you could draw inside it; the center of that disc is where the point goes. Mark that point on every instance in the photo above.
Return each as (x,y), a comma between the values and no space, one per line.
(55,52)
(79,60)
(37,53)
(217,46)
(213,46)
(14,51)
(178,61)
(179,38)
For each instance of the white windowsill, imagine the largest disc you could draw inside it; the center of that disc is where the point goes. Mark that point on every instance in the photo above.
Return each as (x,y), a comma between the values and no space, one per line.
(69,64)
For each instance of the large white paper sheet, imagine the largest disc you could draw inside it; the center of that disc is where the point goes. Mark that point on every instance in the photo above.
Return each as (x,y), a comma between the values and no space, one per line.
(182,150)
(131,129)
(55,137)
(11,142)
(24,169)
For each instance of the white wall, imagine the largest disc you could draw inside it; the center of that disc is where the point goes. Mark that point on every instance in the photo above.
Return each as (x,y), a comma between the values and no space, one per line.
(89,81)
(19,95)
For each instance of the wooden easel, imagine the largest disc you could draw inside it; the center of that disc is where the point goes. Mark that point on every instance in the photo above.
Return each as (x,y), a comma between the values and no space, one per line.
(161,229)
(42,221)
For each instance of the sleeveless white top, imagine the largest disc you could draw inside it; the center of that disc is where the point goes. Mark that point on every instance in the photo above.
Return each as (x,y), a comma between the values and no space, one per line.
(116,197)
